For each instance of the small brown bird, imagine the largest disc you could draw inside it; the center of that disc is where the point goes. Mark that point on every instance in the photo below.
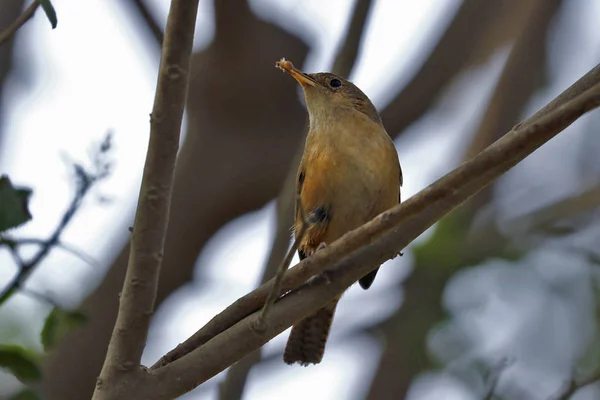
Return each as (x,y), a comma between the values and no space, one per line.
(348,175)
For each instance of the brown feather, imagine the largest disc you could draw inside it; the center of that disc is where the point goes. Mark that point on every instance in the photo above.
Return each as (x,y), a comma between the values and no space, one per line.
(306,344)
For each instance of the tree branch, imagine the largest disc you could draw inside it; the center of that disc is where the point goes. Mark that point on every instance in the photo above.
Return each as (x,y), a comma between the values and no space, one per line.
(149,20)
(19,22)
(121,373)
(229,335)
(348,52)
(447,59)
(85,180)
(574,385)
(283,267)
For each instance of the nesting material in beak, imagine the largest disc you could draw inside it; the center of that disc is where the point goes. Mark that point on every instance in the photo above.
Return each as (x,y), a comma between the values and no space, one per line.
(303,79)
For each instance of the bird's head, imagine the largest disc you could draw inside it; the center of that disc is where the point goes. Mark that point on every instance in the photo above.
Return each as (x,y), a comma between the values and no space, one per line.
(327,93)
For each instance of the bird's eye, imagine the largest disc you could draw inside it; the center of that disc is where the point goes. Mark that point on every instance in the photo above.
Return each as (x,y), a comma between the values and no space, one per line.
(335,83)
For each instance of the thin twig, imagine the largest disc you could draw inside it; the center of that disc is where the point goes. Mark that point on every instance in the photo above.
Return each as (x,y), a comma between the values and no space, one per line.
(19,22)
(493,377)
(574,385)
(285,264)
(39,296)
(86,182)
(151,23)
(231,335)
(59,245)
(449,56)
(348,53)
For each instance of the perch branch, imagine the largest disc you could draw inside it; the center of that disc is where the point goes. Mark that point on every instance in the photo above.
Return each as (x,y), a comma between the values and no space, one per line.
(283,267)
(229,335)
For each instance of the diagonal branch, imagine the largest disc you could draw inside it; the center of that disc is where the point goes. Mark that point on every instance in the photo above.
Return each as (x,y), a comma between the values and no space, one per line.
(446,60)
(230,335)
(348,53)
(19,22)
(574,385)
(121,373)
(149,20)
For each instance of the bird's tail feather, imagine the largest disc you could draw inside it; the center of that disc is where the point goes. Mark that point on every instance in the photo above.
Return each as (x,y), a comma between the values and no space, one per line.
(306,343)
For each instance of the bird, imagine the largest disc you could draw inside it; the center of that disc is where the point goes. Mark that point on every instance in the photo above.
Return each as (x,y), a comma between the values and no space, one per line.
(349,173)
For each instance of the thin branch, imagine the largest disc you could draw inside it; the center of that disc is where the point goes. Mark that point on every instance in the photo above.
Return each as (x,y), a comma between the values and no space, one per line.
(574,385)
(39,297)
(285,264)
(493,377)
(450,54)
(230,335)
(19,22)
(149,20)
(85,181)
(121,375)
(348,53)
(539,219)
(59,245)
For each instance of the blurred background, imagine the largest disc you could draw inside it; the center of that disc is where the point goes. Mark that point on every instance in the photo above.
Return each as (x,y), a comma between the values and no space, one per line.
(498,300)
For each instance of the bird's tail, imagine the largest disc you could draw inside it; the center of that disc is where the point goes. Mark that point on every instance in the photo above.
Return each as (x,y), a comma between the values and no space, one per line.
(306,343)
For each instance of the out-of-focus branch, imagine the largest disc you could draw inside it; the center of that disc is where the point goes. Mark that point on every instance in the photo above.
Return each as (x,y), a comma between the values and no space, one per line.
(149,20)
(560,210)
(121,373)
(520,78)
(348,52)
(19,22)
(285,264)
(85,179)
(447,58)
(574,385)
(357,253)
(5,241)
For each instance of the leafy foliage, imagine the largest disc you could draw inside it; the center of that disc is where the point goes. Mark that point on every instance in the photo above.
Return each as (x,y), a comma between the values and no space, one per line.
(58,323)
(21,362)
(14,210)
(50,12)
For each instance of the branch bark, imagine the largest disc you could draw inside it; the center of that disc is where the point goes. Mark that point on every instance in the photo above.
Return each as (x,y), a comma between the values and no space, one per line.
(348,52)
(121,372)
(230,335)
(19,22)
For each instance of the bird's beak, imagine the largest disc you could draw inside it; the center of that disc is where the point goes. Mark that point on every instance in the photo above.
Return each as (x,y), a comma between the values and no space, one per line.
(303,79)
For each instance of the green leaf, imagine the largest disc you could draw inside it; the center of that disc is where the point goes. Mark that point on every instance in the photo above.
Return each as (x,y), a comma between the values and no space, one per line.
(58,323)
(14,209)
(26,394)
(49,335)
(20,362)
(50,12)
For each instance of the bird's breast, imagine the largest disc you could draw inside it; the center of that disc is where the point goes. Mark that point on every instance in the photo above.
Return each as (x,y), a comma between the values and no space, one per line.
(352,173)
